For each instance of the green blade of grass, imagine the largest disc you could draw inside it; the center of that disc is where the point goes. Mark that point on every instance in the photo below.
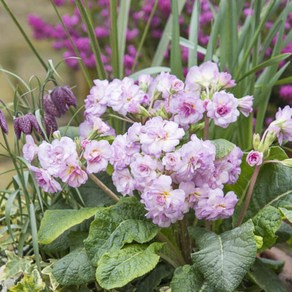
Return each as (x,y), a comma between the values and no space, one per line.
(114,38)
(164,41)
(122,30)
(194,33)
(150,70)
(175,52)
(86,18)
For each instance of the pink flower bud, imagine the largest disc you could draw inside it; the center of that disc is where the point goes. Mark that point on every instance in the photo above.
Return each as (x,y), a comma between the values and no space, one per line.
(254,158)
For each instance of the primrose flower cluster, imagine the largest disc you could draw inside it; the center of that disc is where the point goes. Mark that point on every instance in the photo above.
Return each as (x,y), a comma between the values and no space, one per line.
(159,158)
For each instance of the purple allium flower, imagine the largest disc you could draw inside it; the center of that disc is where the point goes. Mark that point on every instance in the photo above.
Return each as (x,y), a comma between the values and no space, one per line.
(245,105)
(285,93)
(29,149)
(96,101)
(45,180)
(97,154)
(216,205)
(63,97)
(123,181)
(282,126)
(160,135)
(223,109)
(3,123)
(254,158)
(26,124)
(186,109)
(164,205)
(53,156)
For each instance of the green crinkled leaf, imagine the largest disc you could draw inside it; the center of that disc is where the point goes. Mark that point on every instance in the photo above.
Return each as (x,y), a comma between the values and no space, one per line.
(73,269)
(117,225)
(273,187)
(151,281)
(93,196)
(118,268)
(223,147)
(224,259)
(276,152)
(55,222)
(266,223)
(265,278)
(29,282)
(286,213)
(188,279)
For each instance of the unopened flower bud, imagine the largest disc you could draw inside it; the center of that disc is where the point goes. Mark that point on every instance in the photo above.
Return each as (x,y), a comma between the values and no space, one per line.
(245,105)
(26,124)
(254,158)
(63,97)
(256,141)
(57,135)
(50,124)
(3,123)
(49,106)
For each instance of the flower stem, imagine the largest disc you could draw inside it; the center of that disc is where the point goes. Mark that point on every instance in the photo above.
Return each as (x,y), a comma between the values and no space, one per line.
(206,128)
(101,185)
(185,241)
(248,196)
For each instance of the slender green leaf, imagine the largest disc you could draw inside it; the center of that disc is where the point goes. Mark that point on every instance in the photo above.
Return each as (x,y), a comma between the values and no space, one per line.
(287,80)
(123,17)
(150,70)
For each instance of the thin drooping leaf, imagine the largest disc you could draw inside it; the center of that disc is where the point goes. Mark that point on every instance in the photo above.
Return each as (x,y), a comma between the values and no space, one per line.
(150,70)
(118,268)
(224,259)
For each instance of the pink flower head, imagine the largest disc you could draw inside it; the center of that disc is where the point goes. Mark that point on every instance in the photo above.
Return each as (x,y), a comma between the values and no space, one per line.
(96,101)
(254,158)
(245,105)
(30,149)
(160,135)
(216,205)
(45,180)
(186,109)
(164,205)
(97,154)
(223,109)
(171,161)
(93,124)
(124,181)
(72,174)
(144,81)
(282,126)
(53,156)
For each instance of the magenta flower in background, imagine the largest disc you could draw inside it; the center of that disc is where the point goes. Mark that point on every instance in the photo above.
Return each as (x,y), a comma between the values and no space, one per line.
(223,109)
(285,93)
(30,149)
(254,158)
(97,154)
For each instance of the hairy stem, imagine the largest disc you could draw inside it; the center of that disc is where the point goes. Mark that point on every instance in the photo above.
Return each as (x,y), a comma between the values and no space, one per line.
(101,185)
(248,196)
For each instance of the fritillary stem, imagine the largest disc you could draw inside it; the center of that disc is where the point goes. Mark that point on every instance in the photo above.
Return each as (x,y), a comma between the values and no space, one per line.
(248,196)
(101,185)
